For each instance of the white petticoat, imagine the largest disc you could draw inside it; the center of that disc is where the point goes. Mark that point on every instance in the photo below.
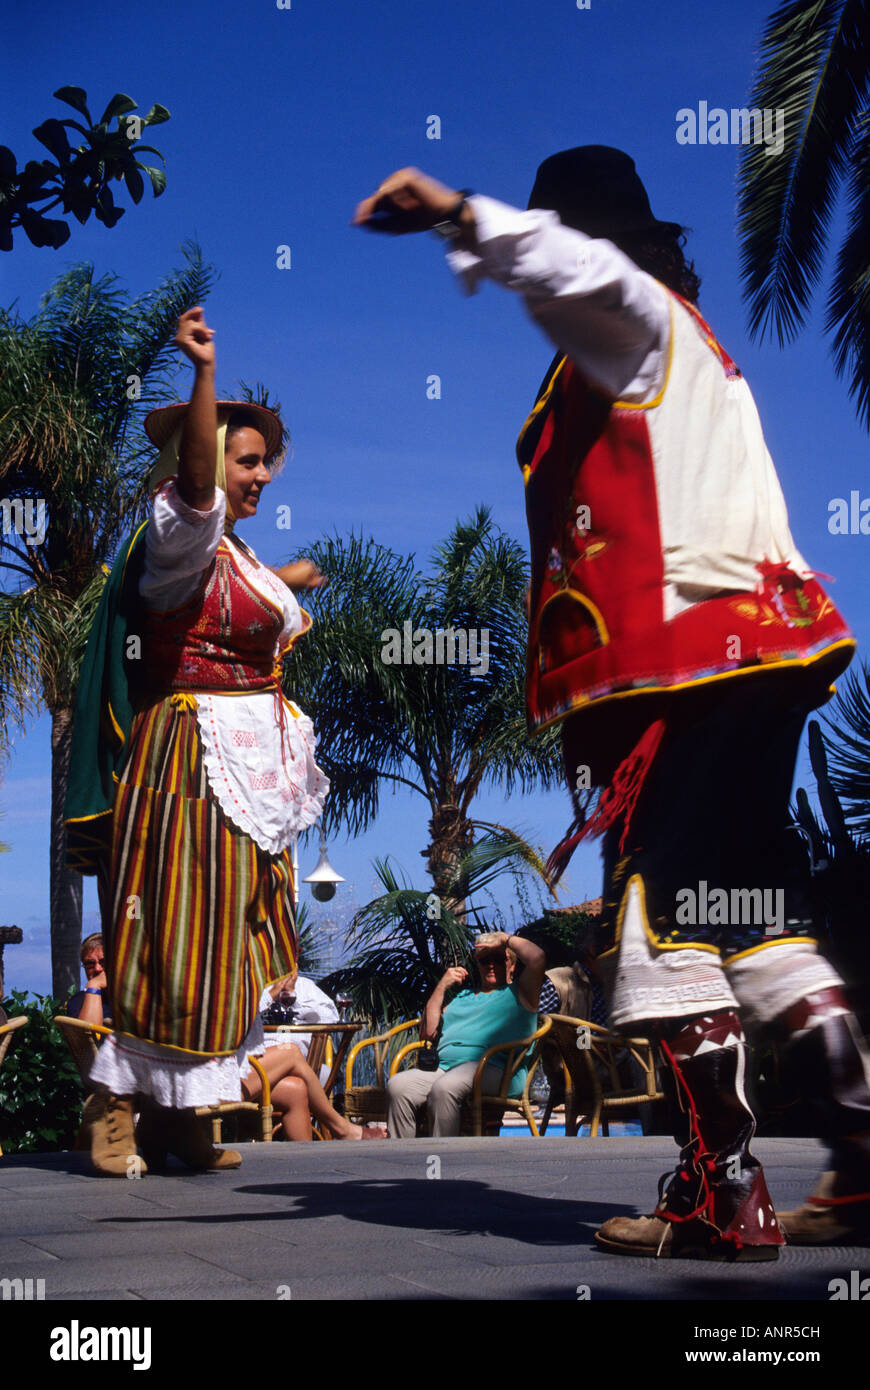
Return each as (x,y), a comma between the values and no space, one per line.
(127,1066)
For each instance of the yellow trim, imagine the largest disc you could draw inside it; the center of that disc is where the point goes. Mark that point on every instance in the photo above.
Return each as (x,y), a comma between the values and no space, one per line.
(115,725)
(76,820)
(654,940)
(656,400)
(130,547)
(597,615)
(773,941)
(540,403)
(582,702)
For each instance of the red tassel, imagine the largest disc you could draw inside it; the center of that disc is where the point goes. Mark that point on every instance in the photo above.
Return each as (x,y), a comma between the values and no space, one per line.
(618,800)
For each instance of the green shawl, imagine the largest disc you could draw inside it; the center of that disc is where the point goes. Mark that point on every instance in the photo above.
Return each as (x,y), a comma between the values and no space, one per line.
(103,712)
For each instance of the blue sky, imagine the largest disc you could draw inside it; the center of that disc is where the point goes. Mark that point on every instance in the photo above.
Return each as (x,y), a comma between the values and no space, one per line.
(281,121)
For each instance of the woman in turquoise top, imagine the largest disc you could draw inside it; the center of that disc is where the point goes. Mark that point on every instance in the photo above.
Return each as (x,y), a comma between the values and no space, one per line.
(472,1023)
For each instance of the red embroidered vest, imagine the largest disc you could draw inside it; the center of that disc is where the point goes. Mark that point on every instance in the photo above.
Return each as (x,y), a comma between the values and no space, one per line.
(597,630)
(223,639)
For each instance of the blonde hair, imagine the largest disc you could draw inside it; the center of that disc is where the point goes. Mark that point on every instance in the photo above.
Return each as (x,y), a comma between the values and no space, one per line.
(96,938)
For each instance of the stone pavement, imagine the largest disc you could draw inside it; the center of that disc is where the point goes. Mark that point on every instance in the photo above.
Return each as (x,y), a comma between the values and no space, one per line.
(506,1219)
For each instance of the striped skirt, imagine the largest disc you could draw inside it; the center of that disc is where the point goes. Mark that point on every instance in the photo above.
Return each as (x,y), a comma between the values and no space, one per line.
(198,918)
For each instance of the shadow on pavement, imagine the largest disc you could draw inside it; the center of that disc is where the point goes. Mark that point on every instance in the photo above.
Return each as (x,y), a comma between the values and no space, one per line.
(417,1204)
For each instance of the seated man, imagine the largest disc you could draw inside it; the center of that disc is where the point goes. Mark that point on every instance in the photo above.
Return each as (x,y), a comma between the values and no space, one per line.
(91,1003)
(472,1023)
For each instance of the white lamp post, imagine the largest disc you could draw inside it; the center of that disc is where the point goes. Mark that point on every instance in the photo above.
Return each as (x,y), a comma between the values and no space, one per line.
(324,878)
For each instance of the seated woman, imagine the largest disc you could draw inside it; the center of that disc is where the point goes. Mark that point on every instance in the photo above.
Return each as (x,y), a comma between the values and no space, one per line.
(296,1000)
(297,1094)
(502,1010)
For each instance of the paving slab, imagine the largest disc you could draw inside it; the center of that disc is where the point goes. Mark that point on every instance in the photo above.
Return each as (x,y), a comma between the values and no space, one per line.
(505,1219)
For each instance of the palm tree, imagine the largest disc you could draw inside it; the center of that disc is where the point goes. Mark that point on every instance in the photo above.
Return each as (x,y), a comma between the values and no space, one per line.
(406,938)
(815,69)
(840,845)
(848,749)
(444,730)
(74,382)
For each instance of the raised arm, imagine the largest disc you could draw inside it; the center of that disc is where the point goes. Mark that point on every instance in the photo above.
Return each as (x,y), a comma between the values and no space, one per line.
(534,967)
(590,299)
(430,1020)
(197,455)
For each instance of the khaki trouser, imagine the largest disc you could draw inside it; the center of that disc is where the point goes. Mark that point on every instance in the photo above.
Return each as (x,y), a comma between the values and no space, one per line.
(441,1091)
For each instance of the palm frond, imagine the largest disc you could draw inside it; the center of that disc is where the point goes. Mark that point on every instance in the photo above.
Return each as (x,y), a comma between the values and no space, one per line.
(847,745)
(848,314)
(814,70)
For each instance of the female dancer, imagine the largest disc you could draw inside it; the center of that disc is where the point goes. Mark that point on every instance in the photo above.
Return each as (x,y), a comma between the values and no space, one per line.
(190,778)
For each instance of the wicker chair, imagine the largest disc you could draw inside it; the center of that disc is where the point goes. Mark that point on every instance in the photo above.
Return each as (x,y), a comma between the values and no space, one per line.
(368,1104)
(7,1030)
(84,1038)
(594,1065)
(482,1114)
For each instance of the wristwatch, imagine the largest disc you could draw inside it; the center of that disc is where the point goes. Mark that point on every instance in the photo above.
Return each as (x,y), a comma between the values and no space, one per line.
(93,991)
(448,228)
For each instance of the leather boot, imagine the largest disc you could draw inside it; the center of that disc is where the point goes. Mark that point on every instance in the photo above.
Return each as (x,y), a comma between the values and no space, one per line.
(162,1131)
(716,1205)
(826,1063)
(108,1120)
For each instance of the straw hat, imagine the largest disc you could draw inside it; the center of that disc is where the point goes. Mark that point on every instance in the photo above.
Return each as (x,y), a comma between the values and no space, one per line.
(162,423)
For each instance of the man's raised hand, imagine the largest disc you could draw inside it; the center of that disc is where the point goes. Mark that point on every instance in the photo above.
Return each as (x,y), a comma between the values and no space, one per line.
(407,201)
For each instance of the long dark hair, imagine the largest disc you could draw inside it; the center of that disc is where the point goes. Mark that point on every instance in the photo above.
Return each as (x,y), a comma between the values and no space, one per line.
(659,251)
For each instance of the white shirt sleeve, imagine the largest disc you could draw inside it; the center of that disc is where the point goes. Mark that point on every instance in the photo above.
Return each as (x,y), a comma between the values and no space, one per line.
(591,300)
(180,543)
(313,1005)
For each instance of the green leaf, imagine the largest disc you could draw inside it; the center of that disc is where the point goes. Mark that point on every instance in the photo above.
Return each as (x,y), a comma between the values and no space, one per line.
(53,135)
(157,177)
(156,116)
(44,231)
(135,184)
(118,106)
(77,98)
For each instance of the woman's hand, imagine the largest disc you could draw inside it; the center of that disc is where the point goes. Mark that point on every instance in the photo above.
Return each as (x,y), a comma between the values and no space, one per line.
(301,574)
(456,975)
(194,338)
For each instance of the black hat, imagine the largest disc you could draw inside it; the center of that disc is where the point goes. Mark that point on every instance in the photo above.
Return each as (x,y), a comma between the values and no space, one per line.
(597,190)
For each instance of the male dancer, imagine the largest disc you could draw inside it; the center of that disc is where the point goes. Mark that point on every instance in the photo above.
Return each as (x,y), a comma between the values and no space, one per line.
(679,637)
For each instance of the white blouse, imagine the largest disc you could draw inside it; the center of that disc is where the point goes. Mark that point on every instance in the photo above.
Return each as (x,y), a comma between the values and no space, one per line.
(265,781)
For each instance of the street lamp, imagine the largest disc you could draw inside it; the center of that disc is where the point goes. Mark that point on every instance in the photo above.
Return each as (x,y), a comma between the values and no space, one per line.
(324,878)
